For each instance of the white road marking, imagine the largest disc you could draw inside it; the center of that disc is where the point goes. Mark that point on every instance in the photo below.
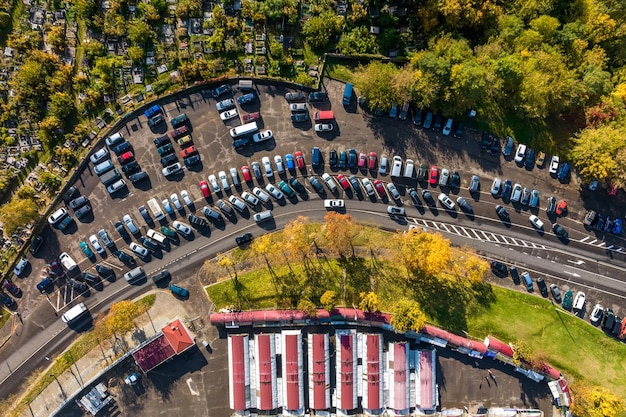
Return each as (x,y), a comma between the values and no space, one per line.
(584,239)
(193,391)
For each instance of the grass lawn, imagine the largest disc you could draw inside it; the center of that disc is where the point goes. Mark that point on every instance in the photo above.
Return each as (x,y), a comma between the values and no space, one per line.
(570,344)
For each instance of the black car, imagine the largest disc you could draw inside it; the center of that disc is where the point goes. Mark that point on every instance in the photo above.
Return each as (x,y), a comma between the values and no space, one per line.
(428,198)
(495,146)
(165,274)
(168,159)
(121,148)
(71,194)
(543,288)
(352,158)
(161,140)
(499,269)
(299,117)
(560,231)
(197,221)
(465,206)
(130,167)
(529,163)
(124,257)
(455,180)
(515,275)
(104,271)
(502,213)
(165,149)
(438,123)
(333,159)
(78,286)
(243,239)
(241,143)
(192,160)
(459,131)
(91,279)
(422,173)
(149,244)
(617,327)
(122,230)
(295,184)
(318,96)
(6,300)
(609,319)
(414,197)
(140,176)
(77,203)
(45,285)
(37,242)
(486,140)
(556,293)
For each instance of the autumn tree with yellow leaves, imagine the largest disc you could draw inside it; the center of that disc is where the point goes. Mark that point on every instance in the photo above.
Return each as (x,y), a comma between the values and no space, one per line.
(407,315)
(339,233)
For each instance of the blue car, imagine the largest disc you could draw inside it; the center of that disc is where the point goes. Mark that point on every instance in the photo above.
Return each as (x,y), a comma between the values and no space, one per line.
(44,285)
(394,111)
(343,159)
(153,111)
(222,89)
(617,227)
(507,188)
(563,171)
(179,291)
(86,250)
(246,98)
(289,162)
(352,158)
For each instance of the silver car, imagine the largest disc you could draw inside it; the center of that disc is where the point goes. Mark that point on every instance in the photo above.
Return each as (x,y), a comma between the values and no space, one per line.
(130,224)
(278,161)
(267,165)
(384,165)
(517,192)
(446,201)
(274,192)
(393,191)
(224,180)
(237,203)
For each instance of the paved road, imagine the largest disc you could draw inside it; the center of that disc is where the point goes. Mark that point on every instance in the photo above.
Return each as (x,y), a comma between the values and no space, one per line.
(353,129)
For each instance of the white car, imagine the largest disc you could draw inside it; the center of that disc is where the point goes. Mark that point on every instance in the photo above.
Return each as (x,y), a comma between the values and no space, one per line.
(172,169)
(224,180)
(128,221)
(396,211)
(249,198)
(384,163)
(393,191)
(446,201)
(521,153)
(96,244)
(228,114)
(99,155)
(447,127)
(267,165)
(535,221)
(324,127)
(495,186)
(261,195)
(67,261)
(181,228)
(444,177)
(596,314)
(579,301)
(262,136)
(367,184)
(330,182)
(554,164)
(237,203)
(234,175)
(176,201)
(186,198)
(409,167)
(396,167)
(214,184)
(275,192)
(19,268)
(138,249)
(334,204)
(278,161)
(167,206)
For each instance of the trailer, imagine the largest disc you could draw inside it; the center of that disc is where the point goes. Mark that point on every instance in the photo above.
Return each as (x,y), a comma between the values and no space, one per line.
(156,209)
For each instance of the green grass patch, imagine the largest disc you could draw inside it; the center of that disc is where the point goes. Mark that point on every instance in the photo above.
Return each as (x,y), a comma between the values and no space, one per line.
(4,317)
(341,71)
(146,303)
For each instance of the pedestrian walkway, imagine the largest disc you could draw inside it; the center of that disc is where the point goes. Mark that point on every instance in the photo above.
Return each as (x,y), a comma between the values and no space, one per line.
(86,369)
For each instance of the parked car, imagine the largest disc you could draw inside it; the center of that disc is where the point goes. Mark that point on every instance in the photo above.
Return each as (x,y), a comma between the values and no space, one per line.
(556,293)
(567,300)
(243,239)
(428,198)
(499,269)
(502,213)
(596,314)
(181,228)
(543,288)
(179,291)
(445,201)
(520,154)
(536,222)
(554,165)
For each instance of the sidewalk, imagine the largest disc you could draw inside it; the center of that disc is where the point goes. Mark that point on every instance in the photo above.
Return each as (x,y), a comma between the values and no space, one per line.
(165,309)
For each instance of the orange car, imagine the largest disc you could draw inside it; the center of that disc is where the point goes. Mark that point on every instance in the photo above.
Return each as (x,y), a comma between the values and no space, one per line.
(561,207)
(188,151)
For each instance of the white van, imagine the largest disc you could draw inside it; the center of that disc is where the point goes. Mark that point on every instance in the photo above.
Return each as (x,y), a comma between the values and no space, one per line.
(134,274)
(113,139)
(263,216)
(116,186)
(153,234)
(68,263)
(74,313)
(396,168)
(247,129)
(409,167)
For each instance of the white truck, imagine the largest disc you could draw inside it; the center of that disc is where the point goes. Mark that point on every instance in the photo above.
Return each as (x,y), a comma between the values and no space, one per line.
(155,208)
(74,313)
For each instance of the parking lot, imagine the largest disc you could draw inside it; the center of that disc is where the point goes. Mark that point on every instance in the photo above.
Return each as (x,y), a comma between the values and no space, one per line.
(353,128)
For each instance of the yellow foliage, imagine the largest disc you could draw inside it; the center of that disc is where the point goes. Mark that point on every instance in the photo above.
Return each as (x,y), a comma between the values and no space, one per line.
(339,232)
(296,239)
(466,265)
(369,302)
(329,300)
(407,315)
(423,252)
(596,402)
(121,316)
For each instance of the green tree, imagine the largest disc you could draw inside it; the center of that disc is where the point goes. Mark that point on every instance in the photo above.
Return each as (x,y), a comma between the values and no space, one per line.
(86,9)
(407,315)
(94,49)
(358,41)
(189,8)
(308,307)
(139,32)
(136,53)
(61,105)
(329,300)
(375,84)
(369,302)
(17,213)
(50,180)
(5,21)
(595,152)
(318,30)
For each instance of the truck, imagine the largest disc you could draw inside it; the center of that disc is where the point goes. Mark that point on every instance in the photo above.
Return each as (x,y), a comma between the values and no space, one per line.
(155,208)
(110,177)
(74,313)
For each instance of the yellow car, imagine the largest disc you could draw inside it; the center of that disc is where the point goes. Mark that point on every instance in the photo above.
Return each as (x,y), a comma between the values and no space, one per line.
(541,159)
(185,140)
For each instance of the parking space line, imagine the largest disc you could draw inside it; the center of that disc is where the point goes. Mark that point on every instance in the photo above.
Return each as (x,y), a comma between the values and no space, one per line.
(503,238)
(455,229)
(534,246)
(445,227)
(593,241)
(584,239)
(524,243)
(601,244)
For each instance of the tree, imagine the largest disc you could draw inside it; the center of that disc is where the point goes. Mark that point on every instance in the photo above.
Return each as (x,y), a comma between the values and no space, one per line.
(56,37)
(407,315)
(189,8)
(329,300)
(369,302)
(595,402)
(308,307)
(375,84)
(468,267)
(139,32)
(121,317)
(61,105)
(595,152)
(16,213)
(50,180)
(5,21)
(358,41)
(277,9)
(318,30)
(136,54)
(339,232)
(422,252)
(297,242)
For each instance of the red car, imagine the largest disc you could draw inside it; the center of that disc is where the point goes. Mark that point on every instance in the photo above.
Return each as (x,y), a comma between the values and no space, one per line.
(12,288)
(362,160)
(246,173)
(204,187)
(177,133)
(251,116)
(434,175)
(372,163)
(299,160)
(56,269)
(343,181)
(380,188)
(188,151)
(561,207)
(126,157)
